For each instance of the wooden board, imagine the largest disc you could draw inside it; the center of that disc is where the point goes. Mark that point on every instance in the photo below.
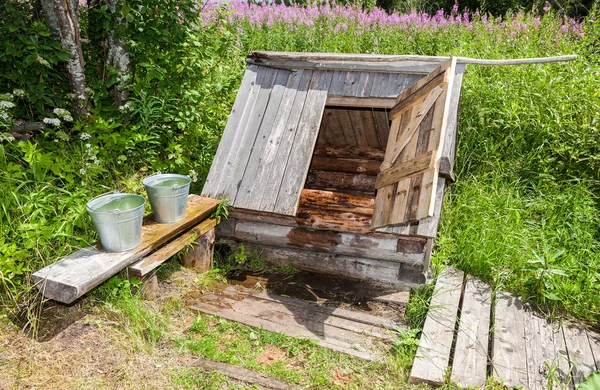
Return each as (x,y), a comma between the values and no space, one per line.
(73,276)
(402,275)
(469,366)
(332,328)
(337,201)
(448,158)
(372,246)
(303,145)
(155,259)
(410,180)
(243,375)
(508,352)
(594,339)
(580,354)
(433,354)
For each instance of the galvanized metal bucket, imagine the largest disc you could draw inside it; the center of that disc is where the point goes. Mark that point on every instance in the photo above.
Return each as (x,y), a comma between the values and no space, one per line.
(168,194)
(118,219)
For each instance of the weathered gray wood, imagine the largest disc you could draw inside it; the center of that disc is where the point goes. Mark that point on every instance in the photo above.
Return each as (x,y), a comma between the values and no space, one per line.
(278,168)
(150,288)
(69,278)
(594,339)
(357,316)
(469,367)
(156,258)
(403,275)
(372,246)
(509,354)
(543,353)
(580,353)
(244,102)
(426,227)
(393,58)
(433,354)
(367,102)
(448,157)
(416,67)
(365,83)
(239,156)
(337,83)
(243,375)
(200,255)
(303,145)
(253,181)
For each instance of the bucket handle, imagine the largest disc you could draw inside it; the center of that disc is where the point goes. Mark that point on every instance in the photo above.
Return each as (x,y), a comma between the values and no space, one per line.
(174,188)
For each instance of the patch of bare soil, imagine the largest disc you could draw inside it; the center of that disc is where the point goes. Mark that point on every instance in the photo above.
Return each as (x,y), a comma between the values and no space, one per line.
(80,347)
(271,355)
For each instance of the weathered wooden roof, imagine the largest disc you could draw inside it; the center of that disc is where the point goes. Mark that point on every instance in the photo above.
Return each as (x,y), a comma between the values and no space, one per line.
(265,152)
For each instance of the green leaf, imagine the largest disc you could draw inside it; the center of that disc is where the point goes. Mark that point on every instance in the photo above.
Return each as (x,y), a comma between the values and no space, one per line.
(592,383)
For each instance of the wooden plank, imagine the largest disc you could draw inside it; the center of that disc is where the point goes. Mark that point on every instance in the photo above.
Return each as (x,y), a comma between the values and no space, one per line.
(348,165)
(200,255)
(425,81)
(256,179)
(594,339)
(360,131)
(358,316)
(368,123)
(337,83)
(408,102)
(351,80)
(448,156)
(406,133)
(239,156)
(508,352)
(331,128)
(277,169)
(416,67)
(338,181)
(372,246)
(360,102)
(337,201)
(346,57)
(243,375)
(69,278)
(155,259)
(343,118)
(404,170)
(243,104)
(403,275)
(364,153)
(383,127)
(304,143)
(365,83)
(380,83)
(433,354)
(469,367)
(580,353)
(289,328)
(543,352)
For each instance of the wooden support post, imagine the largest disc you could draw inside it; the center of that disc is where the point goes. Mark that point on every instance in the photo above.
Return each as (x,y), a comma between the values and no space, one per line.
(201,254)
(149,286)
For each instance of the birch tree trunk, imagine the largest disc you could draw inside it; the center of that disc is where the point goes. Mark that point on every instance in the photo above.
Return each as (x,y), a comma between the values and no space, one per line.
(64,23)
(118,58)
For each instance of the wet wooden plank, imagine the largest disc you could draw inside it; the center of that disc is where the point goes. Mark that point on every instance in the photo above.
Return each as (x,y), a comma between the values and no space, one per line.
(433,355)
(164,253)
(244,102)
(469,367)
(257,178)
(508,352)
(303,145)
(580,353)
(69,278)
(286,143)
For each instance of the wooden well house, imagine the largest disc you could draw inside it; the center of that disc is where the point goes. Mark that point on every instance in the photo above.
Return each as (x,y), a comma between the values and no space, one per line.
(338,164)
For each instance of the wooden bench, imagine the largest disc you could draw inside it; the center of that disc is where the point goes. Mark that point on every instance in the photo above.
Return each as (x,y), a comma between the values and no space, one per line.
(71,277)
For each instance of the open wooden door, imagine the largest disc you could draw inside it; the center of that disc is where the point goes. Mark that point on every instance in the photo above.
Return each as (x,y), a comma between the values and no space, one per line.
(408,176)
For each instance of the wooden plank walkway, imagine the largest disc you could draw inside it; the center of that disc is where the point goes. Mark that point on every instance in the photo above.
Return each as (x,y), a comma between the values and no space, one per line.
(348,331)
(473,336)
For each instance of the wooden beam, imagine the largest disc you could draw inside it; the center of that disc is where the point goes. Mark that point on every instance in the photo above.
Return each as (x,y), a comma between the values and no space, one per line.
(200,256)
(154,260)
(337,201)
(360,102)
(353,152)
(340,181)
(406,101)
(332,164)
(404,170)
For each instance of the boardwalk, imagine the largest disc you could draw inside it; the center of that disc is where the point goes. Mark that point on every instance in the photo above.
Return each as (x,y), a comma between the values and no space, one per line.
(475,334)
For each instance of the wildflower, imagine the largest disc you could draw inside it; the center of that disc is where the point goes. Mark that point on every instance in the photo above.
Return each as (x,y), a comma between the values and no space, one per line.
(82,171)
(52,121)
(4,105)
(10,138)
(4,116)
(88,146)
(547,6)
(19,93)
(63,114)
(193,175)
(85,136)
(126,107)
